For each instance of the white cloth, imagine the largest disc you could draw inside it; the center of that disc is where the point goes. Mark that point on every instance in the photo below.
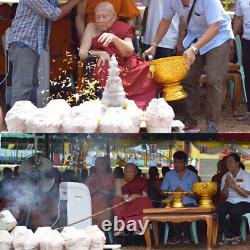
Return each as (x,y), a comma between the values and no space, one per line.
(242,179)
(243,9)
(155,13)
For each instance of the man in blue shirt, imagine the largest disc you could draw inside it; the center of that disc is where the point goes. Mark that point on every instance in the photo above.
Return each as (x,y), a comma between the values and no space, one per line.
(207,43)
(29,36)
(180,179)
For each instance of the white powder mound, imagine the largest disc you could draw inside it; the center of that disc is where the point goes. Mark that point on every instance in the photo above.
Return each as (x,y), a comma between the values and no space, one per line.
(18,115)
(49,239)
(56,242)
(134,112)
(159,116)
(84,118)
(75,239)
(117,120)
(26,241)
(36,123)
(6,240)
(97,237)
(19,230)
(58,108)
(7,220)
(111,121)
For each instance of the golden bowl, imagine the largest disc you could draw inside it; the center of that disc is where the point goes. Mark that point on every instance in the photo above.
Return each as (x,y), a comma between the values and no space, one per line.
(169,72)
(177,198)
(205,191)
(167,203)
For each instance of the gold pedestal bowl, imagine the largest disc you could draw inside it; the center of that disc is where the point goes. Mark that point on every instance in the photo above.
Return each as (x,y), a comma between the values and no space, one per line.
(169,72)
(205,191)
(177,199)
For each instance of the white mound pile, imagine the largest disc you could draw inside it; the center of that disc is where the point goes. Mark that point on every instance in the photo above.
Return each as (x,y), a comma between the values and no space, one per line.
(75,239)
(6,240)
(18,115)
(49,239)
(159,116)
(113,114)
(26,241)
(7,220)
(97,237)
(83,118)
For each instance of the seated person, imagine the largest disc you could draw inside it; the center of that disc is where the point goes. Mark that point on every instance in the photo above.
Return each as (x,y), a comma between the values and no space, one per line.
(107,37)
(125,9)
(132,189)
(218,199)
(101,187)
(154,187)
(235,187)
(180,179)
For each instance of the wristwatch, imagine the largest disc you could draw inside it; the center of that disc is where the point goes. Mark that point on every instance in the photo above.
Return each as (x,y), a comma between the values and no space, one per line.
(195,49)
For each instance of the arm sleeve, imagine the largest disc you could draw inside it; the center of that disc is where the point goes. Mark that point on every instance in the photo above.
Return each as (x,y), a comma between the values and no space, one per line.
(165,183)
(223,182)
(247,186)
(238,11)
(168,11)
(44,9)
(130,33)
(213,11)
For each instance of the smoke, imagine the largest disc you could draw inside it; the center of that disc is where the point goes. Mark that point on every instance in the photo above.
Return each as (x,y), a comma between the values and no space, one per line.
(21,196)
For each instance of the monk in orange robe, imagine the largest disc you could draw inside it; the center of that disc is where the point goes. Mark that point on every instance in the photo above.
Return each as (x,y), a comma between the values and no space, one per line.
(133,189)
(126,10)
(107,37)
(60,47)
(5,22)
(101,187)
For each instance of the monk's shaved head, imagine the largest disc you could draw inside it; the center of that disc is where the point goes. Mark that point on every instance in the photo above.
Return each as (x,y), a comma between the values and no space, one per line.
(105,6)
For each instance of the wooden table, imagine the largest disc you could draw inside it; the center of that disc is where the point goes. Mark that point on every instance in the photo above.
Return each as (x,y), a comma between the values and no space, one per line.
(177,215)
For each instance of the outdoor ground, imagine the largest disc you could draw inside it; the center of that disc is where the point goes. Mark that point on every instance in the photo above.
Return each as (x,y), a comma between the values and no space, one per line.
(201,246)
(228,123)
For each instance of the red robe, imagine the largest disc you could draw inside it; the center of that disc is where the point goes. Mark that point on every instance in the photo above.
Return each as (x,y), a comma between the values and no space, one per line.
(132,210)
(134,70)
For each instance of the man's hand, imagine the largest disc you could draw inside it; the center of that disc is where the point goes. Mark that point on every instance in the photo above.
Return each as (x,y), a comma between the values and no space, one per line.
(150,51)
(103,58)
(190,55)
(106,39)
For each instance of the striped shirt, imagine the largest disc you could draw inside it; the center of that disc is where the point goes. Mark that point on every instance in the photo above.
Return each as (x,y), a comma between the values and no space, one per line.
(32,23)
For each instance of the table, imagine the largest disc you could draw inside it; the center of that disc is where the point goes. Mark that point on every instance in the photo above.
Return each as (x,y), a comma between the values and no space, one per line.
(178,215)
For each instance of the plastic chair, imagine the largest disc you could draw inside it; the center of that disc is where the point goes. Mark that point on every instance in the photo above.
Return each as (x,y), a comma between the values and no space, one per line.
(243,227)
(193,232)
(241,69)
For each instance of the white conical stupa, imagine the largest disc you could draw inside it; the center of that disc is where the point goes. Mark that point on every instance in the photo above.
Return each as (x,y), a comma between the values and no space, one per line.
(114,94)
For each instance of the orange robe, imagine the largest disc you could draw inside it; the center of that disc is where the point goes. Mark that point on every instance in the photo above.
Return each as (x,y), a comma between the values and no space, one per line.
(125,9)
(101,189)
(132,210)
(60,47)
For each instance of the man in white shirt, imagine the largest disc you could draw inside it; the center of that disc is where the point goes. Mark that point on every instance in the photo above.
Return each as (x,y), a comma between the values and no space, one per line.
(151,19)
(207,43)
(242,20)
(235,187)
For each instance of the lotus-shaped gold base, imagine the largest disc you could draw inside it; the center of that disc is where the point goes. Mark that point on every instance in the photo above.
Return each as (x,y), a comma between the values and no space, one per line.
(169,72)
(205,191)
(177,199)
